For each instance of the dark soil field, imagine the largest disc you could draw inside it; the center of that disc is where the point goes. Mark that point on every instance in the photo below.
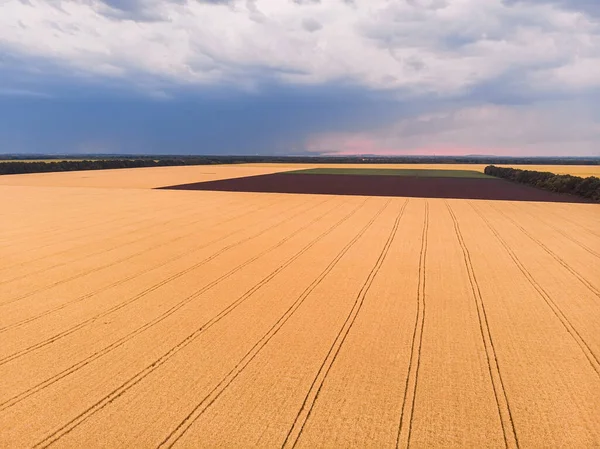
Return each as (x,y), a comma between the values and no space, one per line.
(383,185)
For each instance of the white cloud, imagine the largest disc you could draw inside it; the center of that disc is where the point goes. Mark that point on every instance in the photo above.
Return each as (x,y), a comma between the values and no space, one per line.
(434,46)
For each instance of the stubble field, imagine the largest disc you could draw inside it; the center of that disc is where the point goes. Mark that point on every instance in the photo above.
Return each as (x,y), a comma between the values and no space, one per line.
(133,317)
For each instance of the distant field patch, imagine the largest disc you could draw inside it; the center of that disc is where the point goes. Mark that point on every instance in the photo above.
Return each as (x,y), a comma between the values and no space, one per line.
(407,172)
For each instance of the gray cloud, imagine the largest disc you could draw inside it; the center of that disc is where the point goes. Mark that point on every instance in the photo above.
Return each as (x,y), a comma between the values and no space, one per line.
(306,2)
(311,25)
(428,4)
(136,10)
(146,10)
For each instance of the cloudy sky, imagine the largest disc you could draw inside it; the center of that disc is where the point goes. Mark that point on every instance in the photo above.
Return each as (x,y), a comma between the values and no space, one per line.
(502,77)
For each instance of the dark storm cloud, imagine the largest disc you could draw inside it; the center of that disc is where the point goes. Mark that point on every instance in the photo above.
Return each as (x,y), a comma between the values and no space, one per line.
(213,122)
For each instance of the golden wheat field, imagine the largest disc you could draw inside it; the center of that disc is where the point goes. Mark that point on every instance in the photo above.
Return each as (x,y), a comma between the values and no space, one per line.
(133,317)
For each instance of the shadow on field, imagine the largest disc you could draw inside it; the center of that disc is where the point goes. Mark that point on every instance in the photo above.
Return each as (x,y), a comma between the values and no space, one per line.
(383,185)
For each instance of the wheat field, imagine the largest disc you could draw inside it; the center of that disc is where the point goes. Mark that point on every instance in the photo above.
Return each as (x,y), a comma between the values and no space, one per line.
(132,317)
(146,178)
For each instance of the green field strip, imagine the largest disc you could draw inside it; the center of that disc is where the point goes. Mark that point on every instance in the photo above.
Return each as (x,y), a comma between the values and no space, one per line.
(409,172)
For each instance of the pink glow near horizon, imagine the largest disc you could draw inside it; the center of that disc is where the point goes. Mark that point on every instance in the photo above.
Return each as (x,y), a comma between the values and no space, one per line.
(357,144)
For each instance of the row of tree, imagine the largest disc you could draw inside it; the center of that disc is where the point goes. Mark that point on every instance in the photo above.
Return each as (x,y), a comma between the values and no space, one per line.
(12,168)
(573,185)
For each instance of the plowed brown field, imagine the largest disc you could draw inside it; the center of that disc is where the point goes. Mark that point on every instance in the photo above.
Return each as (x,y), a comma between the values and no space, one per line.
(132,317)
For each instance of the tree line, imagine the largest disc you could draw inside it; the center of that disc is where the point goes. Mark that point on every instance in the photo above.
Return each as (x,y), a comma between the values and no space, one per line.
(13,167)
(573,185)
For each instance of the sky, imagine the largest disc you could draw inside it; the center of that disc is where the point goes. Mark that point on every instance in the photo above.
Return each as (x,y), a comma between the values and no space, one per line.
(301,77)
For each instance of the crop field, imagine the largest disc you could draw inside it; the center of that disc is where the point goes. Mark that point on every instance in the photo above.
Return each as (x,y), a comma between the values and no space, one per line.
(165,176)
(576,170)
(137,316)
(404,172)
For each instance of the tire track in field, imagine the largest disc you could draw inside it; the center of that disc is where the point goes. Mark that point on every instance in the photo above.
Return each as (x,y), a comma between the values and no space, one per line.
(216,392)
(414,362)
(60,230)
(75,227)
(105,250)
(82,274)
(70,230)
(569,327)
(97,355)
(585,228)
(569,220)
(555,256)
(141,375)
(133,231)
(140,295)
(295,432)
(140,273)
(81,208)
(57,230)
(85,273)
(127,257)
(564,234)
(506,420)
